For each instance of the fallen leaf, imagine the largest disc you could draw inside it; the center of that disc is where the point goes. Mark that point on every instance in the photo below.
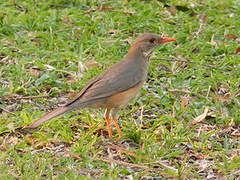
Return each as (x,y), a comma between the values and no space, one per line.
(35,71)
(231,36)
(237,50)
(200,117)
(185,101)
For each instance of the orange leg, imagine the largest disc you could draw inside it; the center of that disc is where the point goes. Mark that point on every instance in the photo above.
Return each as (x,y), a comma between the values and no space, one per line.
(108,123)
(114,120)
(117,127)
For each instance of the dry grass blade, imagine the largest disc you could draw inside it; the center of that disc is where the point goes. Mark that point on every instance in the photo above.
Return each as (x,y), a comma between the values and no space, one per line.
(201,117)
(177,91)
(164,164)
(126,164)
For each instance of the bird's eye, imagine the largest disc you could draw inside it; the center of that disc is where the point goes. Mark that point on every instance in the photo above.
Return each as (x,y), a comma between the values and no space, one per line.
(152,40)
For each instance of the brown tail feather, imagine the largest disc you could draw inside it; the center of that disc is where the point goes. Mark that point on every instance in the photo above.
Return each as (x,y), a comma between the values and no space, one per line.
(49,116)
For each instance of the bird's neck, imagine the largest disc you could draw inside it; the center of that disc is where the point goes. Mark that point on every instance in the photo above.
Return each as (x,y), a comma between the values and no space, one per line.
(136,52)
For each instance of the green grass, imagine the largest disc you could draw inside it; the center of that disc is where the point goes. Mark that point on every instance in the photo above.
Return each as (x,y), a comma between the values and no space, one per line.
(42,47)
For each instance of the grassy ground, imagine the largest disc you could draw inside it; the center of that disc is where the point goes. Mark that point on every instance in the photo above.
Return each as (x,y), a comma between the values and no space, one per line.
(45,47)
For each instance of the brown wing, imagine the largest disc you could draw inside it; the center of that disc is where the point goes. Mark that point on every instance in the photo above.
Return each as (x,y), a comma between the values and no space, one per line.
(120,77)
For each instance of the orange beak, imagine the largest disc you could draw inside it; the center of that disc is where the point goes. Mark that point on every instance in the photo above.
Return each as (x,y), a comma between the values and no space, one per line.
(166,39)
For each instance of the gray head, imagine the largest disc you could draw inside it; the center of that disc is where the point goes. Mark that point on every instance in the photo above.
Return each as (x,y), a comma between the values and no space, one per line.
(148,41)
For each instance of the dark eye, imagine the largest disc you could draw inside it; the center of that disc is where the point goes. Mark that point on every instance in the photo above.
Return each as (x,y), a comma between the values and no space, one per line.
(152,40)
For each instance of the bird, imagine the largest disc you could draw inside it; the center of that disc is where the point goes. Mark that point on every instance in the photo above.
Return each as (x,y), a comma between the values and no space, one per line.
(113,89)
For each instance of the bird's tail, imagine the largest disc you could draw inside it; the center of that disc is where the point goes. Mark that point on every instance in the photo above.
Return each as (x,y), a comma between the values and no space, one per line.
(49,116)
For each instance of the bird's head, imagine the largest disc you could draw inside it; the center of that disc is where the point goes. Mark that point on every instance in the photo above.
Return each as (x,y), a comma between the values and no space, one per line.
(148,41)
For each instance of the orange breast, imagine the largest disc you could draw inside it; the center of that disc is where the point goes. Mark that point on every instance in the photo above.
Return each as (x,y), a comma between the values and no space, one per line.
(121,99)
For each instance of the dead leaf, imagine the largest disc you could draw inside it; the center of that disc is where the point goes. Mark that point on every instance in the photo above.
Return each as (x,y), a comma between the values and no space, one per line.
(35,71)
(200,117)
(185,101)
(230,36)
(92,63)
(237,50)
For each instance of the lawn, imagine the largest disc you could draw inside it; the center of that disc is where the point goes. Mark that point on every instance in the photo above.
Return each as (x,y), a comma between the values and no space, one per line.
(185,124)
